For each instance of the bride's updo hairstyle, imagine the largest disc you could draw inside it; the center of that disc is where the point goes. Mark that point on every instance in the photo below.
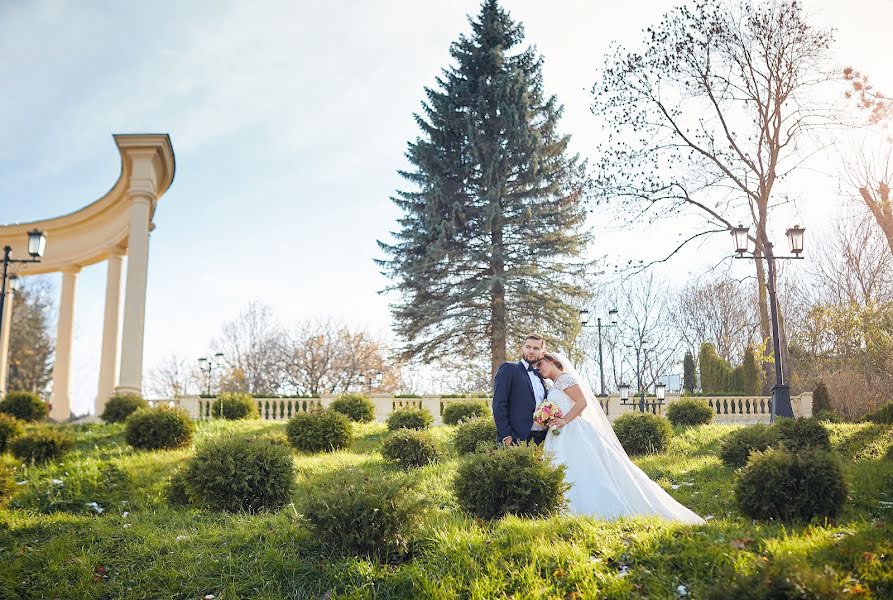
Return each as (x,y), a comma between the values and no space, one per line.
(551,358)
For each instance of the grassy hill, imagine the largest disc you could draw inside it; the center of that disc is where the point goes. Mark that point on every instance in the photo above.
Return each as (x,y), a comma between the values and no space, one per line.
(55,543)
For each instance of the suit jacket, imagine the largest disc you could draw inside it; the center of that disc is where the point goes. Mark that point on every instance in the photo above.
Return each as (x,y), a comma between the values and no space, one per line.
(513,401)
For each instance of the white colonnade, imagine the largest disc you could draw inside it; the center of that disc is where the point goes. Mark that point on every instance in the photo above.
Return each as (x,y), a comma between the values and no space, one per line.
(112,228)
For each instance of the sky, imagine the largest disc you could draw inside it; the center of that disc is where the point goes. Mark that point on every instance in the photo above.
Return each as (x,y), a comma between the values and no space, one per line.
(289,121)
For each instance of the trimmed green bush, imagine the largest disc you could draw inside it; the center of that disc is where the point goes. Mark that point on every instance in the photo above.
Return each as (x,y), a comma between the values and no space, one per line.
(802,434)
(514,480)
(410,448)
(121,406)
(319,431)
(828,415)
(791,486)
(882,416)
(362,515)
(737,447)
(689,411)
(356,407)
(10,428)
(409,418)
(276,437)
(26,406)
(239,474)
(41,445)
(234,405)
(176,491)
(456,412)
(159,428)
(474,434)
(643,433)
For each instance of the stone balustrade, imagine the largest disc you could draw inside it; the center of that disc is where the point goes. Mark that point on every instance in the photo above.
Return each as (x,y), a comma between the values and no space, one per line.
(729,409)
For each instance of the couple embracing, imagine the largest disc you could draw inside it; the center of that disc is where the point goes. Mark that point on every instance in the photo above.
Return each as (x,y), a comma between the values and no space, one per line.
(605,483)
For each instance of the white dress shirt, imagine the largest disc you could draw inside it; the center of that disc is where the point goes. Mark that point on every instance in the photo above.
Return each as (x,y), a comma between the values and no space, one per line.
(539,392)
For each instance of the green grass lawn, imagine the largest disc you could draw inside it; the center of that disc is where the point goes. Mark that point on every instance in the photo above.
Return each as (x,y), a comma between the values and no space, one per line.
(54,543)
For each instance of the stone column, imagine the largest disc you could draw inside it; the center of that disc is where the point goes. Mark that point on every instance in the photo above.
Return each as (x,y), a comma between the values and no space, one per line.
(5,328)
(108,366)
(130,379)
(61,398)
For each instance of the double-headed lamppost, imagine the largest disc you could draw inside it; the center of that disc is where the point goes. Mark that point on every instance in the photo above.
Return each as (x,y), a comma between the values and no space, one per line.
(370,379)
(584,320)
(37,242)
(781,393)
(207,365)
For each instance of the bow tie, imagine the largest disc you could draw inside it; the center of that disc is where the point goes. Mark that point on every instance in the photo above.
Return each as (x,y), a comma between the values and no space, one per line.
(531,368)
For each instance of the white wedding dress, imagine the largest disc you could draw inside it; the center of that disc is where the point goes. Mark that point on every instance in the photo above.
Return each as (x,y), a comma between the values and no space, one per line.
(605,483)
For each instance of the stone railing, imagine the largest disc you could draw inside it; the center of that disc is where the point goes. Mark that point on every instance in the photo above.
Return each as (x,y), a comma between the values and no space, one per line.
(729,409)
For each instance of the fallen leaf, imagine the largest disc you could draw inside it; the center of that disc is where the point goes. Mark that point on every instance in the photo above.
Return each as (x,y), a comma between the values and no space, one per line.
(741,544)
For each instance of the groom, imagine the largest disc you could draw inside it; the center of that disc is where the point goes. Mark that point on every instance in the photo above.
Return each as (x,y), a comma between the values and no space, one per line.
(516,392)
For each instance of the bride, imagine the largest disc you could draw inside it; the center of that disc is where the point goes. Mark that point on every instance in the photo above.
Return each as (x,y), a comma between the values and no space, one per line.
(604,481)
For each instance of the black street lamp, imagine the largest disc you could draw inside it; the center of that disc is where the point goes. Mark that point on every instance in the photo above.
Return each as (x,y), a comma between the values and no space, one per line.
(370,379)
(640,364)
(206,365)
(584,320)
(37,242)
(781,392)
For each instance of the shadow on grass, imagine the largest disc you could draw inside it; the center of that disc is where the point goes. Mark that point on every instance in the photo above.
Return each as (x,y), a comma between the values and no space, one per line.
(368,438)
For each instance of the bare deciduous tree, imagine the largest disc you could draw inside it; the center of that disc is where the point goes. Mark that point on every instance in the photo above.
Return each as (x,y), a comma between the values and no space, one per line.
(711,115)
(718,310)
(644,326)
(323,356)
(842,333)
(250,344)
(174,377)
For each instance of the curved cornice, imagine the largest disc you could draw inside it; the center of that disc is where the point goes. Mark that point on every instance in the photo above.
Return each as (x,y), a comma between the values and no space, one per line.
(91,234)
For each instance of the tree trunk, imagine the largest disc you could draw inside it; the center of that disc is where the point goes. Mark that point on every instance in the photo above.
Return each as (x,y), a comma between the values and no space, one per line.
(763,301)
(881,209)
(497,297)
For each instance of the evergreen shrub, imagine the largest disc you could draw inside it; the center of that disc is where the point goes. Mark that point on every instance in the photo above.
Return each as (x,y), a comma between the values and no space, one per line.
(643,433)
(41,445)
(688,411)
(10,428)
(121,406)
(463,410)
(319,431)
(475,434)
(234,406)
(737,447)
(159,428)
(26,406)
(356,407)
(409,418)
(410,448)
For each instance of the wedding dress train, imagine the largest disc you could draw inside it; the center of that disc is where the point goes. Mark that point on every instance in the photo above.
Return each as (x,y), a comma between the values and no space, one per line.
(605,483)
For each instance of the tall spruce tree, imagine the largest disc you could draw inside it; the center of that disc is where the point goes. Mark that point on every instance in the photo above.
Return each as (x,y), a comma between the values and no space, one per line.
(491,239)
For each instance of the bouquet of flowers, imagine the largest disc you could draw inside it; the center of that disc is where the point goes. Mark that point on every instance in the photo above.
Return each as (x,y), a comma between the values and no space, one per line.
(544,414)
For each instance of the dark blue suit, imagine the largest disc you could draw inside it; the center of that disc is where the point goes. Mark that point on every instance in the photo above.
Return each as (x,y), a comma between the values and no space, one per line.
(514,403)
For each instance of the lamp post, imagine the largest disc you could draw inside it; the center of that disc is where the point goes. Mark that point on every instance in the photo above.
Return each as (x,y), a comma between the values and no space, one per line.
(781,392)
(368,379)
(624,393)
(640,365)
(584,320)
(660,392)
(206,365)
(37,242)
